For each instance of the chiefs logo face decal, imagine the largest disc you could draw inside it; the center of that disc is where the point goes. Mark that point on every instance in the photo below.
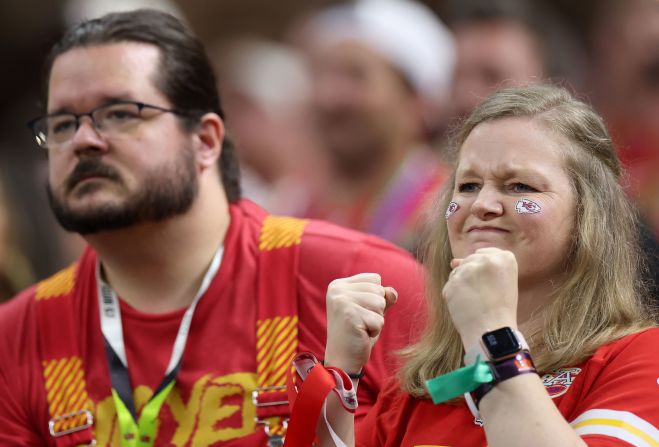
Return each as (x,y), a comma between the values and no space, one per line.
(526,206)
(451,209)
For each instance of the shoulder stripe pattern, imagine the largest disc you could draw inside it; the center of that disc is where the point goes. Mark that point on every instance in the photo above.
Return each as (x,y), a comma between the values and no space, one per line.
(63,371)
(66,391)
(277,320)
(281,232)
(276,344)
(621,425)
(59,284)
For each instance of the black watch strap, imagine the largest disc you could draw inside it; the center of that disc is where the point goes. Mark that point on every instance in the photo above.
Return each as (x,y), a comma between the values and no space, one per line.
(521,363)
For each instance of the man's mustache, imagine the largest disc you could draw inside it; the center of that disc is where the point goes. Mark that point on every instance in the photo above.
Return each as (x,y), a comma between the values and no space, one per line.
(90,167)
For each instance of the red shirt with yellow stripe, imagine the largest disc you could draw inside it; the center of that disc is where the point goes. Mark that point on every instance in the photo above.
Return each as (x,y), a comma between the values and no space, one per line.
(611,399)
(211,401)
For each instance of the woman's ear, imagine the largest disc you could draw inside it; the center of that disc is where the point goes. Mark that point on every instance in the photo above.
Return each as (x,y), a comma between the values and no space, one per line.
(209,136)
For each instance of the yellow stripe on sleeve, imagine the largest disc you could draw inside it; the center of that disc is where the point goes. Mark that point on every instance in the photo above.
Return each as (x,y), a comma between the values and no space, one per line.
(622,425)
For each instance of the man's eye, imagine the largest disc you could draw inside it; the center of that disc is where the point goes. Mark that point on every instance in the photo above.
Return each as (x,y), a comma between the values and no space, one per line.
(61,126)
(120,115)
(468,187)
(522,187)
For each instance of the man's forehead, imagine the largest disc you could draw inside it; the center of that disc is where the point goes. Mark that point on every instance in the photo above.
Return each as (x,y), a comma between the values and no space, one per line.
(115,57)
(94,73)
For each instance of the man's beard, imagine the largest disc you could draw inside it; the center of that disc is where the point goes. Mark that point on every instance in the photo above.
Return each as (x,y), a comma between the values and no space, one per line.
(167,192)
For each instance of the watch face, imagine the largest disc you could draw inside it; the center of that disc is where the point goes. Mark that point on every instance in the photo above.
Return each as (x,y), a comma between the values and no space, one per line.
(501,343)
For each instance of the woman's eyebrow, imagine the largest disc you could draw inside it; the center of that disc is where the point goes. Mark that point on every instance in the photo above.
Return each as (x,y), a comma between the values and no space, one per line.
(505,172)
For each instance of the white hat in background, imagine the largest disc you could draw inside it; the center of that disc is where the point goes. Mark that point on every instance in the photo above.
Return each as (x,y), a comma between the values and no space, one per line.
(271,73)
(407,33)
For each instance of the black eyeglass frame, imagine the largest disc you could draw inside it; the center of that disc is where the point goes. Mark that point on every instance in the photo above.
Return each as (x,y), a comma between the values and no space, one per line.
(140,106)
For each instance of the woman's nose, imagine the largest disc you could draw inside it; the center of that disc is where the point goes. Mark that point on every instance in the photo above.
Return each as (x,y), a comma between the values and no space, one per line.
(488,203)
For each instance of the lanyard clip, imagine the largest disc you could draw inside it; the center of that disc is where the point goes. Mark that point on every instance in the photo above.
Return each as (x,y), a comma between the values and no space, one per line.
(275,428)
(75,424)
(70,423)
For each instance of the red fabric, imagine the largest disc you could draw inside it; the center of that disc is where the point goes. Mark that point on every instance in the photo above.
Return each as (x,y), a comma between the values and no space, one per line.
(211,402)
(54,315)
(638,150)
(620,376)
(280,410)
(307,407)
(81,438)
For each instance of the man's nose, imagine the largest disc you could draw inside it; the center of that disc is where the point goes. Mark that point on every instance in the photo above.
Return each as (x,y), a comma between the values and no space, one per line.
(87,137)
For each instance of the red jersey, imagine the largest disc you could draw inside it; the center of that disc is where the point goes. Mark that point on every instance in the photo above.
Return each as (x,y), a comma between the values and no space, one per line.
(211,401)
(611,399)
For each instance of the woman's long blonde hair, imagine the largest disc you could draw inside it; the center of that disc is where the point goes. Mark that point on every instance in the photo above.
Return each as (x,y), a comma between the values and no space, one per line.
(600,300)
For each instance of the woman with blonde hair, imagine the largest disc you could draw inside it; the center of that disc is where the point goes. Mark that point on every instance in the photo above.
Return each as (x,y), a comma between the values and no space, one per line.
(536,306)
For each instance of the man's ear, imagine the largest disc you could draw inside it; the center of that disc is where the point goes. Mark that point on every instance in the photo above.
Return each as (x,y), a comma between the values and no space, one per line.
(209,136)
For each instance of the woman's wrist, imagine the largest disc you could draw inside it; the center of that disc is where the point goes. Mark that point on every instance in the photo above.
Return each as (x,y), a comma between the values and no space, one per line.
(353,375)
(503,370)
(351,368)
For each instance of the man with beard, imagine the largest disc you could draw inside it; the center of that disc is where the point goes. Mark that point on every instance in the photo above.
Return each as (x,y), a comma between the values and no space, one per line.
(188,304)
(381,73)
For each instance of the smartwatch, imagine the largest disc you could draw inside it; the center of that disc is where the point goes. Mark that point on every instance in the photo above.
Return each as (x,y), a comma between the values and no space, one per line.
(497,345)
(503,343)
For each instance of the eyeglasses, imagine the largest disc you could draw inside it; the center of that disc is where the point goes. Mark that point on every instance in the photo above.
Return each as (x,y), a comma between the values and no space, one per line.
(110,119)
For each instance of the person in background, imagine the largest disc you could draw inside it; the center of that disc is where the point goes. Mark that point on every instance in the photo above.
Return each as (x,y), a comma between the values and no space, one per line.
(534,288)
(507,43)
(495,48)
(381,70)
(15,269)
(176,324)
(623,81)
(266,90)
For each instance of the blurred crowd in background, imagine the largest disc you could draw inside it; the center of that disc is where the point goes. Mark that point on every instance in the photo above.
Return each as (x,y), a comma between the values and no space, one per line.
(344,110)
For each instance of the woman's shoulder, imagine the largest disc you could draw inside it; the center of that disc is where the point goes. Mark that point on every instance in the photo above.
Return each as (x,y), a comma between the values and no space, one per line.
(632,345)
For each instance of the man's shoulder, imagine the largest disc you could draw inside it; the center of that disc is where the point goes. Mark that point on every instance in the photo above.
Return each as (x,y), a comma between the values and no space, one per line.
(320,234)
(329,252)
(18,325)
(22,304)
(313,234)
(16,309)
(326,251)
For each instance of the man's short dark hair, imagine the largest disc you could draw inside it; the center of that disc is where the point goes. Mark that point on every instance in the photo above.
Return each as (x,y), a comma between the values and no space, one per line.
(185,75)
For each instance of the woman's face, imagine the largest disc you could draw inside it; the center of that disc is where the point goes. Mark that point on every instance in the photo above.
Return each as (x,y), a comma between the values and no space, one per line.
(513,192)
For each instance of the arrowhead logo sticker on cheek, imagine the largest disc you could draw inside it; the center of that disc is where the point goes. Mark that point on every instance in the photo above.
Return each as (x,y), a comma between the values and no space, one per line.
(526,206)
(451,209)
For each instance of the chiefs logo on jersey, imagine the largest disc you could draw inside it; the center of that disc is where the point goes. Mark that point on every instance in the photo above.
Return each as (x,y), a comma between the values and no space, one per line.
(526,206)
(559,381)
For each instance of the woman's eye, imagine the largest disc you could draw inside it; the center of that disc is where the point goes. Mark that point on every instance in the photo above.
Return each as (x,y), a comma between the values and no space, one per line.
(522,187)
(468,187)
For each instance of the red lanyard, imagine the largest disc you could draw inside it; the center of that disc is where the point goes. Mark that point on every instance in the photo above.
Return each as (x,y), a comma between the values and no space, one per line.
(307,401)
